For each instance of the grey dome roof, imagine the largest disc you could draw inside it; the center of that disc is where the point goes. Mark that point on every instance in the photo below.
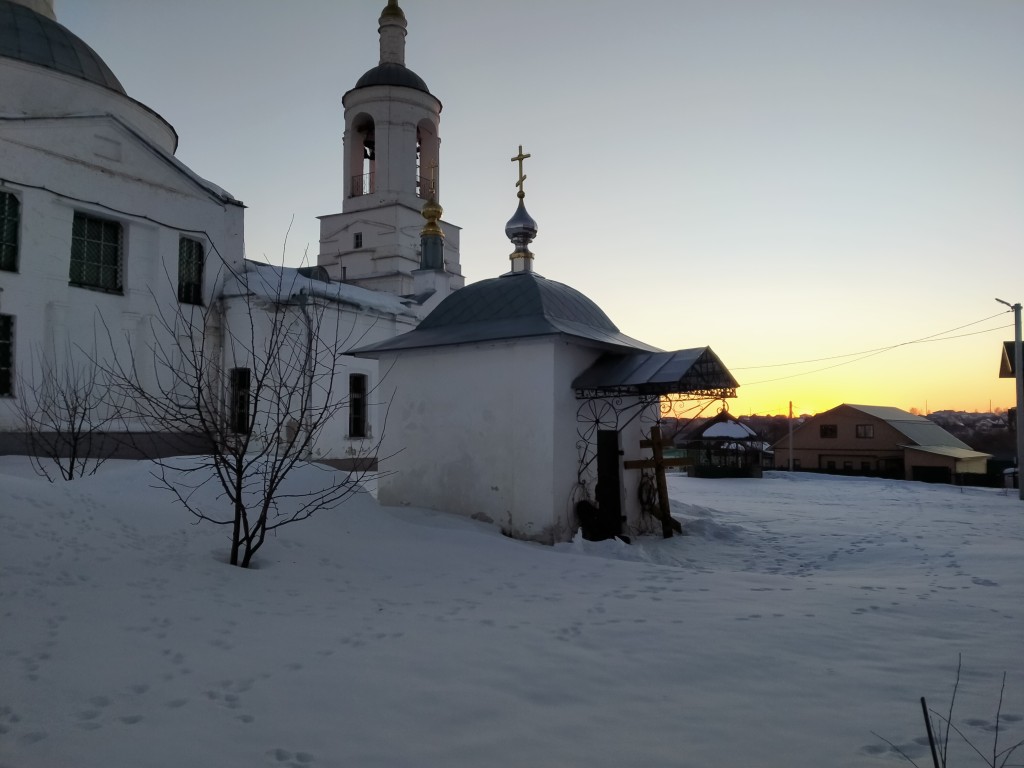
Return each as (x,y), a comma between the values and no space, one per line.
(392,74)
(34,39)
(515,305)
(518,295)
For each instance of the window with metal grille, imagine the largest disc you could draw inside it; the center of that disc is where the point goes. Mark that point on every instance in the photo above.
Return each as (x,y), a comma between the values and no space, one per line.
(6,355)
(96,253)
(190,271)
(238,407)
(357,405)
(10,217)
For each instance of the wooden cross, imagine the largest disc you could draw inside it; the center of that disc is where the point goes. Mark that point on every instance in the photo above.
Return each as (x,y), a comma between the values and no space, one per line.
(658,462)
(519,159)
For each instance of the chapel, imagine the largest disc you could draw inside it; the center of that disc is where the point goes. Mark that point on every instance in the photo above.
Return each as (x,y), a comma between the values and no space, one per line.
(519,402)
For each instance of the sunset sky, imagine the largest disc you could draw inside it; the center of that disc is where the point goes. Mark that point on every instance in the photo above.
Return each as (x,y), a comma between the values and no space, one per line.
(784,181)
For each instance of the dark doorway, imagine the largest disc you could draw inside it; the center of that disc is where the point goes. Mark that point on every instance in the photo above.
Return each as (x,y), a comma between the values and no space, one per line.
(605,520)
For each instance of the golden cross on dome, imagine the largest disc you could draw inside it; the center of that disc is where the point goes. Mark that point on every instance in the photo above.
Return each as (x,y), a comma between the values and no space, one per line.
(522,177)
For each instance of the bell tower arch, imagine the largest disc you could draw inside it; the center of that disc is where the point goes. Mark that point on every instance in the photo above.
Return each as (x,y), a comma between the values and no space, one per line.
(391,168)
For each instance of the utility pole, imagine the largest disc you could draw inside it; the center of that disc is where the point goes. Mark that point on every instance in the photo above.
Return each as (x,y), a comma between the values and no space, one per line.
(790,435)
(1018,373)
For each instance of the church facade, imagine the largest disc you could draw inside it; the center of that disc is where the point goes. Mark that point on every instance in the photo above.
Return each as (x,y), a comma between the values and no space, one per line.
(110,243)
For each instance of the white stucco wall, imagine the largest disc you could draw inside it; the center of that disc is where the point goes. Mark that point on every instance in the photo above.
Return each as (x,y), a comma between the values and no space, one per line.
(32,91)
(390,249)
(469,431)
(490,431)
(338,324)
(95,166)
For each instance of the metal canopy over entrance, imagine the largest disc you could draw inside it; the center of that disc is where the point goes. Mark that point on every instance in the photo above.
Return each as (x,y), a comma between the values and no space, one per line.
(694,374)
(622,387)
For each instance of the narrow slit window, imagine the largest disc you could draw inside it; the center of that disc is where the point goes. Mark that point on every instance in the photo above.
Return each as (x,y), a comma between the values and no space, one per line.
(238,406)
(6,355)
(10,219)
(190,271)
(357,426)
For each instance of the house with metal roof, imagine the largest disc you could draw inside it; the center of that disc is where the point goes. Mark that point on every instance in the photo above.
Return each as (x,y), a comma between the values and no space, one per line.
(878,440)
(517,400)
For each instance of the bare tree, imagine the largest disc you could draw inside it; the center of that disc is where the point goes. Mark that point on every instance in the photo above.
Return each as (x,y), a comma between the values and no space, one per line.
(939,727)
(65,412)
(253,377)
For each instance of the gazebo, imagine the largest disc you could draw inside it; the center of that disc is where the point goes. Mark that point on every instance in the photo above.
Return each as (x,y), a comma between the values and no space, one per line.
(722,446)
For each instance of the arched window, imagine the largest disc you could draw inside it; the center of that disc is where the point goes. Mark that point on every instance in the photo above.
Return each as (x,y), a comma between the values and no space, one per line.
(427,156)
(362,156)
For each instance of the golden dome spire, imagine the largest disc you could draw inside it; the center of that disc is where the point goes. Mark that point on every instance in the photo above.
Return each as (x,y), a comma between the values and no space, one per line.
(432,236)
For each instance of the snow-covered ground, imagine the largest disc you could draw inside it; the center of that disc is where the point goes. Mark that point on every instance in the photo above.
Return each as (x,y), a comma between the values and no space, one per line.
(801,614)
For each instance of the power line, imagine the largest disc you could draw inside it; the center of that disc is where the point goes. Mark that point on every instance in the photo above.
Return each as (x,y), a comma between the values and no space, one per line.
(880,349)
(863,355)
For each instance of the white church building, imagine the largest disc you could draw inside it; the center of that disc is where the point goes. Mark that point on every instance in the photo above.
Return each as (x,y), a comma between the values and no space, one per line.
(108,239)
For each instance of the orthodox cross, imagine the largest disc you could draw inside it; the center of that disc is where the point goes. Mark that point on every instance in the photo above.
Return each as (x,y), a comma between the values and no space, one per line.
(519,159)
(658,462)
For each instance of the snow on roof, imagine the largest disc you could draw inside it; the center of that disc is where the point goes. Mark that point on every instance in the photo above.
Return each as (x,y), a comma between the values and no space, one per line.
(275,283)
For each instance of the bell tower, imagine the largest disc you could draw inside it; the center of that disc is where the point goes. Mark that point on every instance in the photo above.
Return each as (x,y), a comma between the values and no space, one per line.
(391,168)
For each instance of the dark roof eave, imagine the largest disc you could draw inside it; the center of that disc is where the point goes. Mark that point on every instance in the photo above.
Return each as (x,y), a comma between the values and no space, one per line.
(401,344)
